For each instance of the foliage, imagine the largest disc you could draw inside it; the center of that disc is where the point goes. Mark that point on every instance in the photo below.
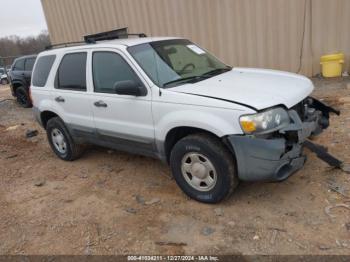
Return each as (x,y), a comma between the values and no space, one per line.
(15,46)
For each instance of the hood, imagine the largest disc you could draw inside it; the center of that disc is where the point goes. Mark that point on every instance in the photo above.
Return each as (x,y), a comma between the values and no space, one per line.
(255,88)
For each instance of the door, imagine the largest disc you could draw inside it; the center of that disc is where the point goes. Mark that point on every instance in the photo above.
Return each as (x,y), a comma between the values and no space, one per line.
(71,97)
(122,120)
(17,72)
(28,68)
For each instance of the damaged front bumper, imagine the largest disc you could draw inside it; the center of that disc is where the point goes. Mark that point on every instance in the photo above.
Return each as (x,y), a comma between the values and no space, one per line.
(276,157)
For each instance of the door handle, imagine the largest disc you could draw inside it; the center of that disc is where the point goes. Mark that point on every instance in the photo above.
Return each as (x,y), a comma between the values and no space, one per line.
(100,104)
(59,99)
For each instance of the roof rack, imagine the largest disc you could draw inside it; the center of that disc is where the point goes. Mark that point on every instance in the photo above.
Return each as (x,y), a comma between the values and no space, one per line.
(91,39)
(110,35)
(66,44)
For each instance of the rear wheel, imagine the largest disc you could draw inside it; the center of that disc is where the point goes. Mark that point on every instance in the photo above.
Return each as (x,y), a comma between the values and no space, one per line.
(4,81)
(61,141)
(203,168)
(23,97)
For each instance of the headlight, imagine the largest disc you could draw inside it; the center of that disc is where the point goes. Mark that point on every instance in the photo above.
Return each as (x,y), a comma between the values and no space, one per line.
(265,122)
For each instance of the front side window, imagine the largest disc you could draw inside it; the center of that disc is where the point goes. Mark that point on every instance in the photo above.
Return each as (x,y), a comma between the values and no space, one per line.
(29,63)
(42,70)
(108,69)
(19,65)
(71,73)
(172,62)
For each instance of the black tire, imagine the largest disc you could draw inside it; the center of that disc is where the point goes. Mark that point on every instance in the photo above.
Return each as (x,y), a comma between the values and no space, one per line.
(4,81)
(23,97)
(219,156)
(73,150)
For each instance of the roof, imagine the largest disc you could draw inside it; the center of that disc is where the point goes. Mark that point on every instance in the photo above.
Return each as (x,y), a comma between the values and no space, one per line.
(135,41)
(126,42)
(25,56)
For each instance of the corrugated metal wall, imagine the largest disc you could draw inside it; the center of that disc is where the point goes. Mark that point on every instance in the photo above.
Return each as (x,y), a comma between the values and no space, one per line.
(330,28)
(282,34)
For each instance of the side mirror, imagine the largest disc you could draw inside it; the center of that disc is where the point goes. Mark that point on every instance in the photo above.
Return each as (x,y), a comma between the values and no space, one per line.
(129,87)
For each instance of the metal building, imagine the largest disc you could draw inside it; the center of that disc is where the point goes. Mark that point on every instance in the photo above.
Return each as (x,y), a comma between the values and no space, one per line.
(281,34)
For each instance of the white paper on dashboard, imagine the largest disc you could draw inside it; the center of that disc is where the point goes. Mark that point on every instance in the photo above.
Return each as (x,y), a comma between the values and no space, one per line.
(196,49)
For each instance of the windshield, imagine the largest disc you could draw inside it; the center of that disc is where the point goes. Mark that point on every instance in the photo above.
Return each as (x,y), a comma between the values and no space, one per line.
(173,62)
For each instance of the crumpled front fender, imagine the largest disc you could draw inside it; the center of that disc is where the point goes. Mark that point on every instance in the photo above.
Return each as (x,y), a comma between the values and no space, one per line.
(277,157)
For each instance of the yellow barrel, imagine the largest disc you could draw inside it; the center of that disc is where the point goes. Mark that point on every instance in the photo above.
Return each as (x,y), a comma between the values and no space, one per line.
(332,65)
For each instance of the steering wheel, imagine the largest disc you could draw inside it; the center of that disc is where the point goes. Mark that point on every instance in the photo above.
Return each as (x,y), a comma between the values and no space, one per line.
(186,67)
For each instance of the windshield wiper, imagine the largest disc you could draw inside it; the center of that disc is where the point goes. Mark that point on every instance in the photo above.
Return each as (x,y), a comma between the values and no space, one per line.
(200,77)
(186,79)
(216,71)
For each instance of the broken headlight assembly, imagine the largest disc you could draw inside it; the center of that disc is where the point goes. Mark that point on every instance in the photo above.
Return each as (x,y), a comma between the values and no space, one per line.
(265,122)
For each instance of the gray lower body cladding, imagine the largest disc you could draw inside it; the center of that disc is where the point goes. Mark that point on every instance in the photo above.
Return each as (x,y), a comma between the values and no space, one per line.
(36,113)
(277,157)
(265,159)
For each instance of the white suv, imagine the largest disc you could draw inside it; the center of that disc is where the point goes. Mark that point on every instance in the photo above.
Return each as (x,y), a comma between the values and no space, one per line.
(170,99)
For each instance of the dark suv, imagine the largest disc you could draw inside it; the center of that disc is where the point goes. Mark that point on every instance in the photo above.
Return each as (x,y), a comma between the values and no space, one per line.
(20,76)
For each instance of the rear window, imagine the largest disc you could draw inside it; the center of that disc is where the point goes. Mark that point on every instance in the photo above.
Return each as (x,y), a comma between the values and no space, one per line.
(42,70)
(71,73)
(28,66)
(19,65)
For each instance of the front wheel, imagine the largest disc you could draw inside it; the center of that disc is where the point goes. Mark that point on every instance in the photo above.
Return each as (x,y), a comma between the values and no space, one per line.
(4,81)
(204,168)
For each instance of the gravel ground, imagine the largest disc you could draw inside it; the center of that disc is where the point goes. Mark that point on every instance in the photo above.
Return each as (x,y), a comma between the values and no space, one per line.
(110,202)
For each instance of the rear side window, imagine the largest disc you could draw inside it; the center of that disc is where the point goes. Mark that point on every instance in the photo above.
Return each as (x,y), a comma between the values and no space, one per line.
(42,70)
(108,69)
(19,65)
(71,73)
(28,65)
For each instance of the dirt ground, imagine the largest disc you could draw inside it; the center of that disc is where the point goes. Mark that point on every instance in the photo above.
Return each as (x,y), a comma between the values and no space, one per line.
(110,202)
